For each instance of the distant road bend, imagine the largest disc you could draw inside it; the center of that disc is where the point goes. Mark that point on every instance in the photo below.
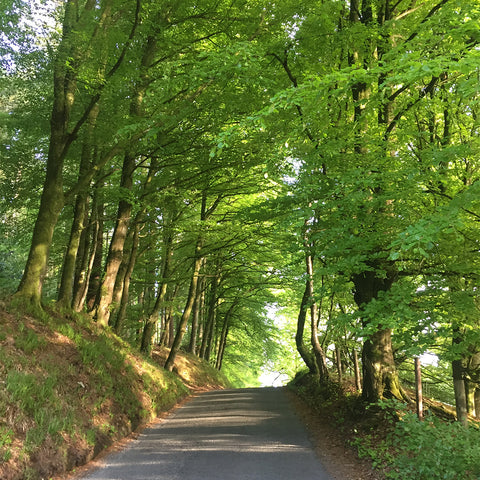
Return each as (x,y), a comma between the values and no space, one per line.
(246,434)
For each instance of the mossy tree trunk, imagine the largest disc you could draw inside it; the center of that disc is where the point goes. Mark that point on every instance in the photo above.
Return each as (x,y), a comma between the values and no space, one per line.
(52,199)
(81,38)
(51,204)
(115,253)
(380,376)
(124,294)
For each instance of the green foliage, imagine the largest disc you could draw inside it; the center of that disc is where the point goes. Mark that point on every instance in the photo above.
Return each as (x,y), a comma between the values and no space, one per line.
(296,128)
(285,361)
(11,265)
(424,446)
(428,450)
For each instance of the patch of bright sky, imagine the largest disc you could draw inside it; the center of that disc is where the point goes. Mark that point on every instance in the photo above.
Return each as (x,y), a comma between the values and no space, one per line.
(37,20)
(428,358)
(270,378)
(42,20)
(296,166)
(293,27)
(273,379)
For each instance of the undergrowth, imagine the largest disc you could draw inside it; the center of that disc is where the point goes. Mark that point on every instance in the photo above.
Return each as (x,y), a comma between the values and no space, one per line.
(398,445)
(432,449)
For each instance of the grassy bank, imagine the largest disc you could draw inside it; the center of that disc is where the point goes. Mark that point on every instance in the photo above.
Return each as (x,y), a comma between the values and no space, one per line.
(68,390)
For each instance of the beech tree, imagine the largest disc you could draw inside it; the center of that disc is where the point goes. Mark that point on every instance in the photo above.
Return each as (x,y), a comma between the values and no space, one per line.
(82,39)
(200,156)
(353,96)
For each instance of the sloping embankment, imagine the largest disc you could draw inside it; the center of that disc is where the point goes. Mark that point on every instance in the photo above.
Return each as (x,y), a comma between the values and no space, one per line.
(68,390)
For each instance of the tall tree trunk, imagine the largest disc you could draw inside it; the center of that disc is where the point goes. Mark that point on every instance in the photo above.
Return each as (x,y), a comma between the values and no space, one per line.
(205,213)
(306,355)
(52,199)
(460,393)
(182,326)
(470,389)
(72,53)
(317,348)
(95,276)
(380,377)
(197,310)
(356,366)
(51,204)
(66,290)
(224,335)
(211,336)
(122,310)
(65,293)
(168,333)
(206,348)
(115,253)
(338,359)
(477,402)
(472,380)
(222,345)
(171,327)
(418,388)
(151,322)
(120,279)
(83,264)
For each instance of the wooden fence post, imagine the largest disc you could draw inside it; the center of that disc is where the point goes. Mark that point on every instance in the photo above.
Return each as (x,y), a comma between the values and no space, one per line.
(418,388)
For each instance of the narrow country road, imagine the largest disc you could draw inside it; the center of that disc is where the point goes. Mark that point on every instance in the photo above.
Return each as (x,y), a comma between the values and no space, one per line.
(247,434)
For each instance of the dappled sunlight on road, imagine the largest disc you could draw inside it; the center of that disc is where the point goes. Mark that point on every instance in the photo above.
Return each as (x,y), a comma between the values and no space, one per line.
(234,434)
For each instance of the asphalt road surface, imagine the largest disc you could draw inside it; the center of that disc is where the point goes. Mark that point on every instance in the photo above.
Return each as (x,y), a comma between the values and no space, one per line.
(246,434)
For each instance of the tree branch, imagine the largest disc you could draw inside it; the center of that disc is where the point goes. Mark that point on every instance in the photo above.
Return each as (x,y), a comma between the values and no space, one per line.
(95,98)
